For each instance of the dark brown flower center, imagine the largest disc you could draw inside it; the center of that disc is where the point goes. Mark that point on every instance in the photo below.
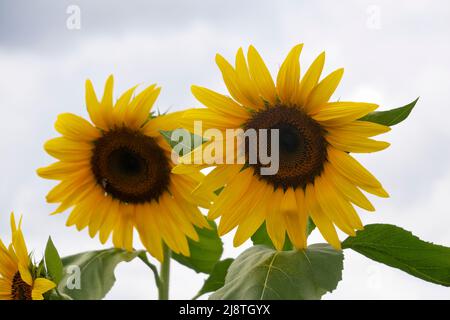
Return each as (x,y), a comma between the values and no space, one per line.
(130,166)
(302,146)
(20,290)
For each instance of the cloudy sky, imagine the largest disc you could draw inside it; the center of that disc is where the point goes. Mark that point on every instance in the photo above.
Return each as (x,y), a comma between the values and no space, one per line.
(392,52)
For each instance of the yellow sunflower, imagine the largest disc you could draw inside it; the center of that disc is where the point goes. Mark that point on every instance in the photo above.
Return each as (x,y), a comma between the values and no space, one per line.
(17,281)
(116,174)
(317,176)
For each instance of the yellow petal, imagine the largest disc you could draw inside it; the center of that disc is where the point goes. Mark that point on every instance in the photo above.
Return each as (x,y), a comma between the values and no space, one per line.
(232,83)
(43,285)
(296,224)
(61,170)
(348,189)
(148,230)
(351,169)
(360,128)
(36,295)
(76,128)
(25,273)
(275,224)
(106,105)
(320,95)
(375,191)
(5,286)
(322,222)
(330,205)
(104,204)
(219,103)
(70,186)
(169,121)
(217,178)
(232,193)
(184,186)
(69,150)
(289,76)
(240,210)
(121,106)
(110,221)
(76,195)
(261,76)
(310,80)
(139,112)
(246,84)
(93,107)
(341,113)
(255,217)
(354,143)
(179,216)
(123,231)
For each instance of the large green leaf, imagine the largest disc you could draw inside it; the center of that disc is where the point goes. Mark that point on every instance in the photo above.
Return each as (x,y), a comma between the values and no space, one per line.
(53,262)
(262,237)
(205,253)
(216,279)
(400,249)
(262,273)
(390,117)
(90,275)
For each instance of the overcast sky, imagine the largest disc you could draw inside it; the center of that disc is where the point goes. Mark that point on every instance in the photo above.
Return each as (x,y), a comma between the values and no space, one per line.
(392,52)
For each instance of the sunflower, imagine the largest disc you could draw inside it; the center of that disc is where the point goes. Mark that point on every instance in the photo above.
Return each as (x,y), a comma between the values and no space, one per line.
(17,280)
(317,176)
(116,174)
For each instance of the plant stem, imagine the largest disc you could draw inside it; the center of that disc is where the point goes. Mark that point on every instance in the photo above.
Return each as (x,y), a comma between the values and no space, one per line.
(143,256)
(164,275)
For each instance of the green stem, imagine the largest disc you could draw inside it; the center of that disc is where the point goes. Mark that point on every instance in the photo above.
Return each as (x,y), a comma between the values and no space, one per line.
(143,256)
(164,275)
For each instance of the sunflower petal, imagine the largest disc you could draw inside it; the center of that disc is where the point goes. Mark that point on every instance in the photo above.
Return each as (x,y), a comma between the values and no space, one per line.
(68,150)
(310,80)
(219,103)
(289,76)
(320,95)
(261,76)
(42,285)
(246,83)
(360,128)
(76,128)
(353,143)
(322,222)
(93,107)
(232,83)
(275,224)
(341,113)
(351,169)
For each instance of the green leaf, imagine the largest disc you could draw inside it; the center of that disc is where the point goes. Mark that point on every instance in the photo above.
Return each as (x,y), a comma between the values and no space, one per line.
(194,140)
(390,117)
(53,262)
(205,253)
(262,237)
(216,279)
(400,249)
(90,275)
(262,273)
(310,226)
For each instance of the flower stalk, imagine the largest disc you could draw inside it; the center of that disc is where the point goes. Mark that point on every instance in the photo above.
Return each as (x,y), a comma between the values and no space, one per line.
(164,275)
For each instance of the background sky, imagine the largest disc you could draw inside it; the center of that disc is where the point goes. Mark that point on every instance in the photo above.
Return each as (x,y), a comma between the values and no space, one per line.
(392,51)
